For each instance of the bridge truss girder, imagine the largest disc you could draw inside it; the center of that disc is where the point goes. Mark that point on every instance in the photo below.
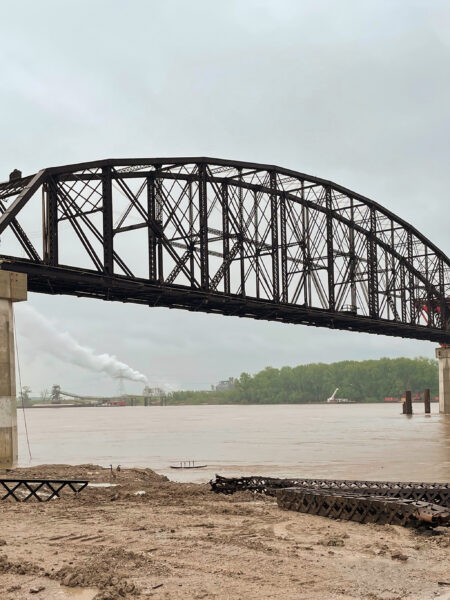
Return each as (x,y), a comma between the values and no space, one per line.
(227,237)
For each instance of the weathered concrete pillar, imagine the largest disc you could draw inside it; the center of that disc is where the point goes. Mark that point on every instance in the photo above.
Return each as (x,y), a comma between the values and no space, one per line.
(13,288)
(443,355)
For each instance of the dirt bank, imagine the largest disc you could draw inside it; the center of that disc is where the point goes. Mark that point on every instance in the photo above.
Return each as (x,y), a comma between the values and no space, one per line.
(150,537)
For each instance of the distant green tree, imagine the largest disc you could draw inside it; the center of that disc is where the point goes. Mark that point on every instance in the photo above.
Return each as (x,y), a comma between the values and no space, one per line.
(360,381)
(24,396)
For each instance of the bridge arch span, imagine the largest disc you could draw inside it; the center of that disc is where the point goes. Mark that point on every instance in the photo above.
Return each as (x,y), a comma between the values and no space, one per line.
(223,236)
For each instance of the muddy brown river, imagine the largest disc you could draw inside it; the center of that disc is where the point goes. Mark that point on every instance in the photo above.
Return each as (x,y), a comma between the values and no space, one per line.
(355,441)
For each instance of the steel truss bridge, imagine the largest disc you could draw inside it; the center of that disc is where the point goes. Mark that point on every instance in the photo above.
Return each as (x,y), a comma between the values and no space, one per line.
(225,237)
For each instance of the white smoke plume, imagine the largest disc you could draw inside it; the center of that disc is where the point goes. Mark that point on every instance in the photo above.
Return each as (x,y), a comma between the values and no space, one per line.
(46,337)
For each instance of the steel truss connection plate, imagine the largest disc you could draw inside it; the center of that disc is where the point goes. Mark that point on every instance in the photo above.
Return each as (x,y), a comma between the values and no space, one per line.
(41,490)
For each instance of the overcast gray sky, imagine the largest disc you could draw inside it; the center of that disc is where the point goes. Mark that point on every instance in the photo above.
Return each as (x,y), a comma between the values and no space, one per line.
(356,92)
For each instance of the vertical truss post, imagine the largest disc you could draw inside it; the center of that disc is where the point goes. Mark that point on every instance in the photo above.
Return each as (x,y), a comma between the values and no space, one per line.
(283,240)
(394,275)
(257,248)
(274,230)
(352,265)
(159,212)
(330,248)
(241,233)
(226,237)
(387,288)
(203,214)
(108,252)
(403,292)
(306,257)
(372,265)
(443,304)
(412,306)
(191,236)
(152,239)
(51,250)
(429,298)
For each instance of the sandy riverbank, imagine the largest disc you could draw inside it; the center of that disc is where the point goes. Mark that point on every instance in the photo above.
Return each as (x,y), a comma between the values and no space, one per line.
(150,537)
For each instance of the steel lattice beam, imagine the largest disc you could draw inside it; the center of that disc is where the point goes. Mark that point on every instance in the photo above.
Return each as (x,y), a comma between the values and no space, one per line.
(228,237)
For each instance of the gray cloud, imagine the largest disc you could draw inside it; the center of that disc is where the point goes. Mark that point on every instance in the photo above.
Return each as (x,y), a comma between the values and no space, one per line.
(356,92)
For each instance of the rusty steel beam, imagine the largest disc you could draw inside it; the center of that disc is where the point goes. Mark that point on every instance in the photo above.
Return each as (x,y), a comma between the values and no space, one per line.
(230,237)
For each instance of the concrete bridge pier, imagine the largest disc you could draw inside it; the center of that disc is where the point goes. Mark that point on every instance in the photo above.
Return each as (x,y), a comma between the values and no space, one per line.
(443,355)
(13,288)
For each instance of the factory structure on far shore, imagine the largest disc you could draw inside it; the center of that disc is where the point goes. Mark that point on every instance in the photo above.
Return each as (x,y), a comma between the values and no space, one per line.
(59,398)
(226,384)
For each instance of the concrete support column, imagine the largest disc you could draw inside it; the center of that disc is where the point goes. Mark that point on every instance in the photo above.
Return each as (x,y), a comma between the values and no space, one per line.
(443,355)
(13,288)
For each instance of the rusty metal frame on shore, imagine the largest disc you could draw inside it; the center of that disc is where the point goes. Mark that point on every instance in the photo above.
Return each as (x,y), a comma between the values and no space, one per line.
(353,506)
(42,490)
(438,493)
(410,504)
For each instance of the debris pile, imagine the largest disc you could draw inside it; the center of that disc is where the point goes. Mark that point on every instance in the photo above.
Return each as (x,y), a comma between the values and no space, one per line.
(409,504)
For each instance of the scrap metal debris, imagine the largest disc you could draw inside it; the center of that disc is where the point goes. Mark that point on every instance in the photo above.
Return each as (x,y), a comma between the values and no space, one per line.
(410,504)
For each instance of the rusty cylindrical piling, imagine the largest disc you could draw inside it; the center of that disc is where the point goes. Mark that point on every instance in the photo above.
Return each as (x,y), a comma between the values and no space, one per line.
(426,401)
(408,403)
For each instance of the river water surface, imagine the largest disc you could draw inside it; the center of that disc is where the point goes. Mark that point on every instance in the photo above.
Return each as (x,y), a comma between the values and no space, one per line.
(354,441)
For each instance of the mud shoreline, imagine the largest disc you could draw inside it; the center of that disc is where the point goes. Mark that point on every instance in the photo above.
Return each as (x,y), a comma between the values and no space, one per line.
(147,536)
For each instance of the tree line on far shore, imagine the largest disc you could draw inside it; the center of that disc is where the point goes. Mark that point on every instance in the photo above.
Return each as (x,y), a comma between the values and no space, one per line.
(359,381)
